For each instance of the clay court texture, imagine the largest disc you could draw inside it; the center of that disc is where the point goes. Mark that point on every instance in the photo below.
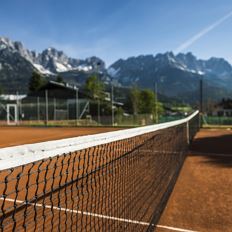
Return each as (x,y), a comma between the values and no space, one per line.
(202,196)
(12,136)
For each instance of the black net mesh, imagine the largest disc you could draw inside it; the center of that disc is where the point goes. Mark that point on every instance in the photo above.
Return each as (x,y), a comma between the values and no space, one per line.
(118,186)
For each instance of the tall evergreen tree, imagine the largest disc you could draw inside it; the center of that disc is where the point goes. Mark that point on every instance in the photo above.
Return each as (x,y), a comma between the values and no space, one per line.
(1,90)
(146,101)
(36,82)
(59,79)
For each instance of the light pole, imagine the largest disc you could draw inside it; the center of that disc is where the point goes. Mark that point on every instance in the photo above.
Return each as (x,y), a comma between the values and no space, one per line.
(77,109)
(17,105)
(98,111)
(98,102)
(54,106)
(38,109)
(201,96)
(112,102)
(156,104)
(200,101)
(46,106)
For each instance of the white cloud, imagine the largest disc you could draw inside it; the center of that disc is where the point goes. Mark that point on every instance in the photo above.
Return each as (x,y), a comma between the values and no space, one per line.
(200,34)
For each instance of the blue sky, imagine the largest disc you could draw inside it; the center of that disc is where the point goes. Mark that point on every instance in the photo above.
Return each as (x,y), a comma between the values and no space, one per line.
(113,29)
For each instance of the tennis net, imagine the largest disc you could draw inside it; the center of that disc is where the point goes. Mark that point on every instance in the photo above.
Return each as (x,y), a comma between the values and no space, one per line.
(115,181)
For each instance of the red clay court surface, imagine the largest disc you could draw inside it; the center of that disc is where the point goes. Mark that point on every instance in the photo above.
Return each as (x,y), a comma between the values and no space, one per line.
(202,197)
(103,198)
(11,136)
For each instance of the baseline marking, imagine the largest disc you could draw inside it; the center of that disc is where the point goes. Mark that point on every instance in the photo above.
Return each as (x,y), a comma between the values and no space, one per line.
(174,228)
(97,215)
(78,212)
(142,150)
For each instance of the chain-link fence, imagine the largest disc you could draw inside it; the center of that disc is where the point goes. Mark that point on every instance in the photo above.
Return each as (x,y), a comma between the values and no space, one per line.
(40,111)
(216,120)
(43,111)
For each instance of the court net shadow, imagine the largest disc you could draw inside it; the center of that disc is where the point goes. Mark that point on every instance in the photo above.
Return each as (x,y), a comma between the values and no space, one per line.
(217,150)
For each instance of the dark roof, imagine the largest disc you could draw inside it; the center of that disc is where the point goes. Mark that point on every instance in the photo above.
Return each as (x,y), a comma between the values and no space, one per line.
(60,90)
(225,104)
(62,85)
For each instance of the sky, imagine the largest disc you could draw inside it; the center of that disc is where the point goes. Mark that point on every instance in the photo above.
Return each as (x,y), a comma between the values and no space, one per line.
(113,29)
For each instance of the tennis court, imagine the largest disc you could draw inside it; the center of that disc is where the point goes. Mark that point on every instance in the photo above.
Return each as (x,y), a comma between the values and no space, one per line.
(115,181)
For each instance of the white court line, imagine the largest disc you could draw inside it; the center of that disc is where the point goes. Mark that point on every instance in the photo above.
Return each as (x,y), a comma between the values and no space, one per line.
(174,228)
(143,150)
(79,212)
(97,215)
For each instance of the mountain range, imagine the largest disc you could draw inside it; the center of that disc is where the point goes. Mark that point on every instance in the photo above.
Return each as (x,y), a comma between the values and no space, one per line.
(17,64)
(175,75)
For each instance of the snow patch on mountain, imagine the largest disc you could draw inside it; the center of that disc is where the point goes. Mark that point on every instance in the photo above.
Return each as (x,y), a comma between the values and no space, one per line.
(5,42)
(201,73)
(50,60)
(60,67)
(42,70)
(112,71)
(85,68)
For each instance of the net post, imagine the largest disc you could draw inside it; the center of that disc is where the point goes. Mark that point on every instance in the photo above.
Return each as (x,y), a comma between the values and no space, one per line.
(187,131)
(200,120)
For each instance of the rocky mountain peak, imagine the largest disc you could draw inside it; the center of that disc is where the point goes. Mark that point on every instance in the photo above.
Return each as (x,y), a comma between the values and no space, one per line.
(51,60)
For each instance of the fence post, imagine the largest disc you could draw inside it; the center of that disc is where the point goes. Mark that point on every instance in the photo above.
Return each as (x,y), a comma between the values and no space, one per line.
(17,107)
(54,105)
(98,111)
(67,105)
(46,99)
(38,109)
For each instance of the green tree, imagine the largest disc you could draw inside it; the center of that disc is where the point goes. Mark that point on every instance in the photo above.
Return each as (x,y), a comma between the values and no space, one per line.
(146,102)
(95,87)
(36,82)
(119,115)
(160,110)
(59,79)
(1,90)
(134,99)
